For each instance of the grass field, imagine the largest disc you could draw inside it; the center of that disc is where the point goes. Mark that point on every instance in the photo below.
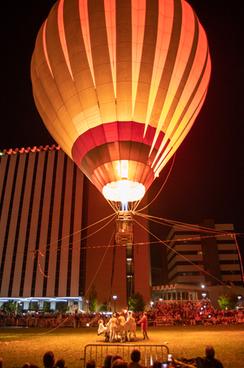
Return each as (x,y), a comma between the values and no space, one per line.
(19,345)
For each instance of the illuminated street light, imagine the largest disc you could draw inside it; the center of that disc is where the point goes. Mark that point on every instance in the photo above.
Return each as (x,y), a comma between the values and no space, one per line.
(115,298)
(202,286)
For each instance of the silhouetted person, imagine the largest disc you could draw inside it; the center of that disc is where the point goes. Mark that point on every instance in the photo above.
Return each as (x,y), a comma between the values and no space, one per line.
(91,364)
(157,364)
(60,363)
(119,363)
(114,358)
(107,361)
(48,359)
(135,358)
(209,361)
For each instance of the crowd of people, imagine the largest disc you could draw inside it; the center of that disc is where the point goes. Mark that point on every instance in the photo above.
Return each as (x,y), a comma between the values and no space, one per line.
(194,313)
(118,361)
(162,313)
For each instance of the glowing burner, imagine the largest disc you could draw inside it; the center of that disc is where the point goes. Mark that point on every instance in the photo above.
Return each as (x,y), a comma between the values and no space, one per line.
(123,191)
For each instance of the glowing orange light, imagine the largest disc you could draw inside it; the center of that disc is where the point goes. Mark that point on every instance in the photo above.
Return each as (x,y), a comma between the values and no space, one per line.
(120,83)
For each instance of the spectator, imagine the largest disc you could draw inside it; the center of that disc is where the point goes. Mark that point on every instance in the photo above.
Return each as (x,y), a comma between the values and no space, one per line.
(48,359)
(135,358)
(76,319)
(60,363)
(157,364)
(119,363)
(107,361)
(91,364)
(209,361)
(115,357)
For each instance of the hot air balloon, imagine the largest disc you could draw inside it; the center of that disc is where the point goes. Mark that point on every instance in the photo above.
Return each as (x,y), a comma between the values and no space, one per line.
(119,84)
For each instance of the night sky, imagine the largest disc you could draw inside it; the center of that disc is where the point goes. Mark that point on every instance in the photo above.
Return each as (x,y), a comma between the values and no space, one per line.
(207,179)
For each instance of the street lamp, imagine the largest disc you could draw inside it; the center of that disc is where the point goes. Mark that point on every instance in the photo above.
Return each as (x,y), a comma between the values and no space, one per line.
(115,297)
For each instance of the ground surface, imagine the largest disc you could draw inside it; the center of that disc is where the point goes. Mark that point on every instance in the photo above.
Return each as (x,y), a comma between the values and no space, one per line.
(19,345)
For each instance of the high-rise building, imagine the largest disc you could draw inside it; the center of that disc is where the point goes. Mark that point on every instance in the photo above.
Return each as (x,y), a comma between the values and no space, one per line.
(198,256)
(57,233)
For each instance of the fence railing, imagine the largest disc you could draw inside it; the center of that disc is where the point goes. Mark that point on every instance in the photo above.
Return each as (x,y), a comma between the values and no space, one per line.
(149,353)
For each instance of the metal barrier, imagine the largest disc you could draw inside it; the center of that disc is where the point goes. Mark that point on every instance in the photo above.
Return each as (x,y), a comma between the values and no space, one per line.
(149,353)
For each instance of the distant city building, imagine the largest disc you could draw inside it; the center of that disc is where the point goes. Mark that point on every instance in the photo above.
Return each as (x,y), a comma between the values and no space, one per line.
(203,257)
(41,202)
(53,246)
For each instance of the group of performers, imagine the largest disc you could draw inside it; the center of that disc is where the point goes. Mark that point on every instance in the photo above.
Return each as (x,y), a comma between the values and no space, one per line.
(122,327)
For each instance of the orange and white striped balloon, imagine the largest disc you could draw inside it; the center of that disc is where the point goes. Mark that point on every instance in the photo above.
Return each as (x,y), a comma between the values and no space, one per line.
(119,84)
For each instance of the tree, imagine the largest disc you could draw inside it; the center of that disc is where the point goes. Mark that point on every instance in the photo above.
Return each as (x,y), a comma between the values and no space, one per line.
(92,298)
(61,307)
(103,307)
(227,301)
(9,307)
(46,307)
(136,303)
(34,306)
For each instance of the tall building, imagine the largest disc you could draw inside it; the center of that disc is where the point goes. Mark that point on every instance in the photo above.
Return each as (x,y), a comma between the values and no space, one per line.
(57,233)
(209,257)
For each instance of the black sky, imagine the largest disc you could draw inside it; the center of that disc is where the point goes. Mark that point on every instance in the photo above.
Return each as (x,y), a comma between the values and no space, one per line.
(207,179)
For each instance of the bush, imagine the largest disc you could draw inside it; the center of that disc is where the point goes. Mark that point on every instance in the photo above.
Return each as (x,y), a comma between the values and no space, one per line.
(227,301)
(103,307)
(61,307)
(136,303)
(9,307)
(92,299)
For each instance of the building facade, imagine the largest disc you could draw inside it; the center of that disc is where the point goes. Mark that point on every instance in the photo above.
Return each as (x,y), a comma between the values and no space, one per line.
(57,233)
(208,255)
(41,218)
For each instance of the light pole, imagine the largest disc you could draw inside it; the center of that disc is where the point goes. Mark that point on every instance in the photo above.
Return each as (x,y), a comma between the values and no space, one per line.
(115,297)
(87,306)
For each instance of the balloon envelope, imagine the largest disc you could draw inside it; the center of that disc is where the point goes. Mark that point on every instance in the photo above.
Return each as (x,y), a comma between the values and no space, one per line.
(119,84)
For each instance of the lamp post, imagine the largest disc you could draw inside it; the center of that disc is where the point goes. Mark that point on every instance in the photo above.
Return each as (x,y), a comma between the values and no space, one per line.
(115,297)
(204,292)
(87,306)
